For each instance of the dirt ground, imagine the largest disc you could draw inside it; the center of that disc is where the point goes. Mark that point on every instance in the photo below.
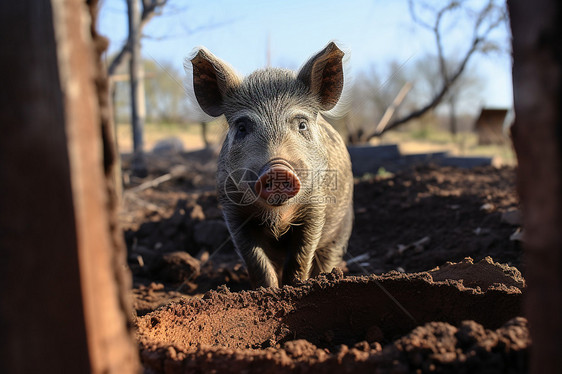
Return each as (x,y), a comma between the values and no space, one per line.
(406,224)
(335,323)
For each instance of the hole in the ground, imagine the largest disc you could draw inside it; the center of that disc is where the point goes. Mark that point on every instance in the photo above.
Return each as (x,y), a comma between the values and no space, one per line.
(331,310)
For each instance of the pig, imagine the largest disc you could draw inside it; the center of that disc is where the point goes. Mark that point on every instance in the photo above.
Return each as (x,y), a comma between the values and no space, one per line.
(284,175)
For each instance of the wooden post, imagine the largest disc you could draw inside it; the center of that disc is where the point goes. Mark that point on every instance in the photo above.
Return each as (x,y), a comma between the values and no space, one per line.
(537,136)
(61,304)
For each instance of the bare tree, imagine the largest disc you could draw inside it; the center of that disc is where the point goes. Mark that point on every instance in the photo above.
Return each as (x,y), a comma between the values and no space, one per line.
(137,19)
(130,51)
(468,85)
(150,8)
(426,76)
(486,19)
(138,113)
(374,100)
(165,93)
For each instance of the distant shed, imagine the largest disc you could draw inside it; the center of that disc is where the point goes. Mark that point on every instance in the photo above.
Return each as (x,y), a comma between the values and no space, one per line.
(490,125)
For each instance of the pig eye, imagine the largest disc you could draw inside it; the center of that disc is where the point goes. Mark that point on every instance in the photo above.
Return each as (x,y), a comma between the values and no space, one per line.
(241,131)
(303,126)
(243,126)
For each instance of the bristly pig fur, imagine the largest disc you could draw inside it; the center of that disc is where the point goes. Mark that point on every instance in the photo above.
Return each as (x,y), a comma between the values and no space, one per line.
(275,114)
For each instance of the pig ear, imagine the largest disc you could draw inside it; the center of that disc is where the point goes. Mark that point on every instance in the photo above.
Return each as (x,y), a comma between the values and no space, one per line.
(323,75)
(212,80)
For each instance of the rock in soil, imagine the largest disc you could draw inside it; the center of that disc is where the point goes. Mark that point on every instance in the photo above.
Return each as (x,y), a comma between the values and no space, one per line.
(175,267)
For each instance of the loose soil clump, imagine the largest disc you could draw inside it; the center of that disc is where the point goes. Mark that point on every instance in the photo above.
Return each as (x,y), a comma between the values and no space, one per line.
(332,323)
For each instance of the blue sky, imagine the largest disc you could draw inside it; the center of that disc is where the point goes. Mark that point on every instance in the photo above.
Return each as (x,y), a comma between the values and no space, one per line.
(373,32)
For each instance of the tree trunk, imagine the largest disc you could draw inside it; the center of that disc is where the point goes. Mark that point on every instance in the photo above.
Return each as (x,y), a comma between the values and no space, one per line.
(62,309)
(204,134)
(137,90)
(118,169)
(352,133)
(537,137)
(453,128)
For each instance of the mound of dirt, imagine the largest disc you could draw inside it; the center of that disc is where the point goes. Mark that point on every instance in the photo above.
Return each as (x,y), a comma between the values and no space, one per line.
(334,323)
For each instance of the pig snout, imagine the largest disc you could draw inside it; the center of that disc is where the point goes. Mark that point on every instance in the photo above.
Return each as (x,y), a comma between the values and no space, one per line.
(277,183)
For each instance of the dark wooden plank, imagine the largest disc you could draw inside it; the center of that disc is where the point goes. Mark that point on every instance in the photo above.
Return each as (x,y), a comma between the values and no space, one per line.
(62,307)
(537,136)
(41,313)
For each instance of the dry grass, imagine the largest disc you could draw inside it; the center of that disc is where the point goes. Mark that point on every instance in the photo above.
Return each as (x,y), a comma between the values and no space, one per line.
(189,134)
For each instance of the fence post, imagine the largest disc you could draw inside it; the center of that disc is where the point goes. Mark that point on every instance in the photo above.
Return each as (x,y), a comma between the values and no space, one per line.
(62,306)
(537,137)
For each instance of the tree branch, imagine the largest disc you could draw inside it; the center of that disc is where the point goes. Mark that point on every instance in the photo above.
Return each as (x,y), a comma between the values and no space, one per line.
(392,108)
(119,59)
(436,99)
(438,42)
(478,39)
(149,10)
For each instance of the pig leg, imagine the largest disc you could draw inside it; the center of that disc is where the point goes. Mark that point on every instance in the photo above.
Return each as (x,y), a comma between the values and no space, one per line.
(298,263)
(260,268)
(325,259)
(330,253)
